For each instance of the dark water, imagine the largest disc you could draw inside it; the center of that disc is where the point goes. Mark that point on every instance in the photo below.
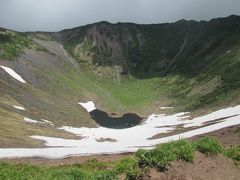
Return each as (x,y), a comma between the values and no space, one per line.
(126,121)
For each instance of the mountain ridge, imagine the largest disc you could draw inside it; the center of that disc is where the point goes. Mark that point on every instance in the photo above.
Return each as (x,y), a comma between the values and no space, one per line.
(129,49)
(191,66)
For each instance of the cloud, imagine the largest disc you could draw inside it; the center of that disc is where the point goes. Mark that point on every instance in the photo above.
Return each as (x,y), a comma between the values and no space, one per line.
(53,15)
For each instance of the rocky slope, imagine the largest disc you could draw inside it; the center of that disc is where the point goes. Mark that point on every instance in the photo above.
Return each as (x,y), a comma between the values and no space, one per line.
(205,55)
(122,67)
(186,47)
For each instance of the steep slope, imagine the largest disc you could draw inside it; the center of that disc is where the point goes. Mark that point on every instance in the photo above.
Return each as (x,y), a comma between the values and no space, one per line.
(201,58)
(153,50)
(51,93)
(122,67)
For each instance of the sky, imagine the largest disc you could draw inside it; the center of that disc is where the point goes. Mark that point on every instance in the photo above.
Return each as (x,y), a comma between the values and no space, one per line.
(55,15)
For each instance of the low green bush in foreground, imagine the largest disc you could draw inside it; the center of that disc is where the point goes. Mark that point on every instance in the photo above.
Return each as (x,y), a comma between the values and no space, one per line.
(163,154)
(233,153)
(130,168)
(209,145)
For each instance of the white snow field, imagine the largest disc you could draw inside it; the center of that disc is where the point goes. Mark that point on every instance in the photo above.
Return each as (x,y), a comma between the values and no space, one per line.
(89,106)
(127,140)
(19,107)
(13,74)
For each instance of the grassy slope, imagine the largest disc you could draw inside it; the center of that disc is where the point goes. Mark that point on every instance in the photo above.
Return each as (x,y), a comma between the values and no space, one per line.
(15,132)
(202,75)
(215,85)
(130,168)
(135,94)
(12,44)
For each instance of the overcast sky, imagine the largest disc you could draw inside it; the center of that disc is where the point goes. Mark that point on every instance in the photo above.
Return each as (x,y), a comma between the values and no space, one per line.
(54,15)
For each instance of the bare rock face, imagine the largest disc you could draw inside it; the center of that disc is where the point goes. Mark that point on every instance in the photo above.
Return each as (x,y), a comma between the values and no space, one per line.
(104,46)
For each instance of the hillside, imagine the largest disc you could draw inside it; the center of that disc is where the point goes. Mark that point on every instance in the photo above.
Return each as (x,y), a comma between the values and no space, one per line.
(184,47)
(205,158)
(124,68)
(195,62)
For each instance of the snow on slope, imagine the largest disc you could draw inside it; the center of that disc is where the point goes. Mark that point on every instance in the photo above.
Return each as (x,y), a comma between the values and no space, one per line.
(128,140)
(166,108)
(19,107)
(42,121)
(89,106)
(13,74)
(30,120)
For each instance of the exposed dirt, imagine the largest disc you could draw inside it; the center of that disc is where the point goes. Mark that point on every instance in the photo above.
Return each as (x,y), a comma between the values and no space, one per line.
(68,160)
(106,140)
(203,168)
(180,128)
(227,136)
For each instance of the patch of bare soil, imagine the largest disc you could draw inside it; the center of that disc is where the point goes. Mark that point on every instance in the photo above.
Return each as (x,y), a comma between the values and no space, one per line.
(215,167)
(180,129)
(106,140)
(229,136)
(66,161)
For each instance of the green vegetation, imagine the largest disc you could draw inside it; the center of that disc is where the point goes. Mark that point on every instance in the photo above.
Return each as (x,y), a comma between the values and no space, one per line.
(88,171)
(12,44)
(209,145)
(70,50)
(135,93)
(14,131)
(164,154)
(193,65)
(233,153)
(187,65)
(76,38)
(204,75)
(130,167)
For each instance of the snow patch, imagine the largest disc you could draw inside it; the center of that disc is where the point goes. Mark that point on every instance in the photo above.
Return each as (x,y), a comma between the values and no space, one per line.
(166,107)
(13,74)
(30,120)
(89,106)
(43,121)
(19,108)
(228,51)
(127,140)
